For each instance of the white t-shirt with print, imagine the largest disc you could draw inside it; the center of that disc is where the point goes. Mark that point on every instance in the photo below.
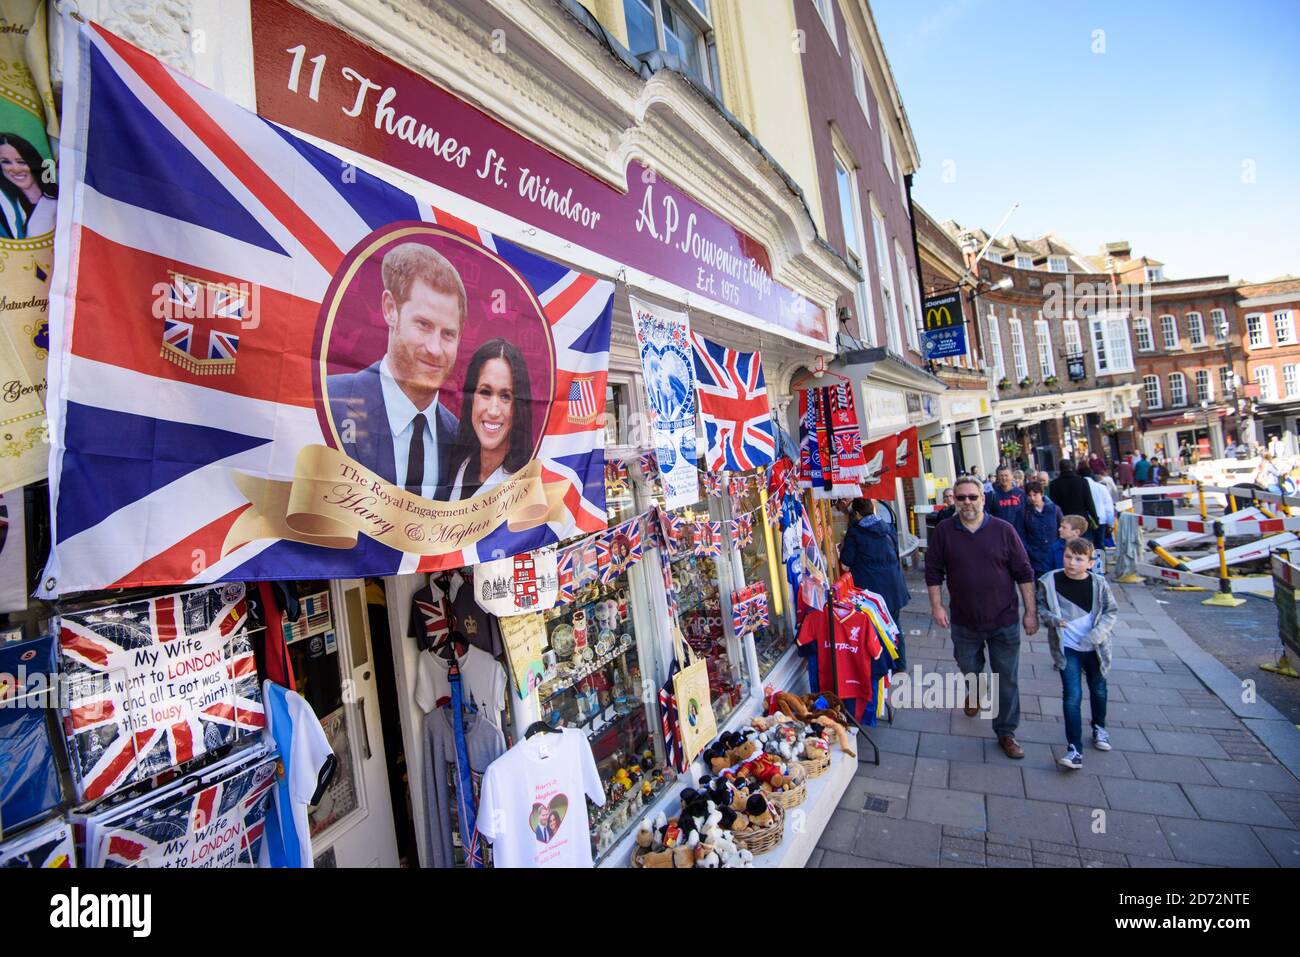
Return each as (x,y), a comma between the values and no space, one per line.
(482,678)
(531,804)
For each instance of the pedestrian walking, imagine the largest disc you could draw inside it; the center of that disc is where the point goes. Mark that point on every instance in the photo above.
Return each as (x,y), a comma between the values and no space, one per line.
(1007,502)
(983,562)
(1126,472)
(1079,611)
(1105,506)
(1042,527)
(1142,469)
(1073,493)
(870,553)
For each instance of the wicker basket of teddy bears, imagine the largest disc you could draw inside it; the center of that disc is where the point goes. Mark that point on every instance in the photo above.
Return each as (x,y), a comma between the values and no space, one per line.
(793,794)
(759,839)
(816,767)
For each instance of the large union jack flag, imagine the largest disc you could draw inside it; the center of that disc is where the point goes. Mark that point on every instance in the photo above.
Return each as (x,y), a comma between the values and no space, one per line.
(165,178)
(733,407)
(122,724)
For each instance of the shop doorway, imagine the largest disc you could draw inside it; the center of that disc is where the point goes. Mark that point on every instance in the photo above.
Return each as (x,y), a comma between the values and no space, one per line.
(331,650)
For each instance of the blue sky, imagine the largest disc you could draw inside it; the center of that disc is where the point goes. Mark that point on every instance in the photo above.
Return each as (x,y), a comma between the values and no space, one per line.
(1155,140)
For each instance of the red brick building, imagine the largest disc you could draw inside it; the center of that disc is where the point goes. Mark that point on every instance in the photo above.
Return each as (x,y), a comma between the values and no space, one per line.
(1267,316)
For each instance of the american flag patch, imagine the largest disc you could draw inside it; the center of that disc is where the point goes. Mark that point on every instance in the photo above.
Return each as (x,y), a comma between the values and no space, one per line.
(582,401)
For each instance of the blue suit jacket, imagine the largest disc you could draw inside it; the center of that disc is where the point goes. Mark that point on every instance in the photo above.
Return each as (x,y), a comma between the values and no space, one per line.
(359,396)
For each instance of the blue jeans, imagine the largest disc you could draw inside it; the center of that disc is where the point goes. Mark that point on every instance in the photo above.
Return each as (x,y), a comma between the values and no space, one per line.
(1004,657)
(1077,664)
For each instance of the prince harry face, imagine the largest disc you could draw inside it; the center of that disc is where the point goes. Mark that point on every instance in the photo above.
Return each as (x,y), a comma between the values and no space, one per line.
(424,308)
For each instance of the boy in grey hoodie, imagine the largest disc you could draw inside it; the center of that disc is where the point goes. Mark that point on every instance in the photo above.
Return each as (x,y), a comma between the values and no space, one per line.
(1079,611)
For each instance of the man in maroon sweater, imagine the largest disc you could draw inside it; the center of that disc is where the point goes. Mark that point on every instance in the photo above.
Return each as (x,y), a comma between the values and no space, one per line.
(985,564)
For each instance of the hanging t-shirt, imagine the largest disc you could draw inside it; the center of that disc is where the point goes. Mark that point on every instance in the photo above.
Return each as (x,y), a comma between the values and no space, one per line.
(484,743)
(308,766)
(429,621)
(479,627)
(856,647)
(483,677)
(532,808)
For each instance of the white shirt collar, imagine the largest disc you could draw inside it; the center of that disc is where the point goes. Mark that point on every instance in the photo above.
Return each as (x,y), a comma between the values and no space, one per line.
(401,410)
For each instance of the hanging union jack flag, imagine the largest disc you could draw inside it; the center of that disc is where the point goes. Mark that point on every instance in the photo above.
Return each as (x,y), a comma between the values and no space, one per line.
(178,195)
(156,683)
(733,407)
(201,325)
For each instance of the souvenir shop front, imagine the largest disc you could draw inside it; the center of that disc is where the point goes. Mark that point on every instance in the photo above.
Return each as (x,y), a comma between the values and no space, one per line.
(291,618)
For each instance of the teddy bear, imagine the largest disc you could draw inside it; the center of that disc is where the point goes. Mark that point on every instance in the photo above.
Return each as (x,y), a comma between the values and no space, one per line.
(759,809)
(761,767)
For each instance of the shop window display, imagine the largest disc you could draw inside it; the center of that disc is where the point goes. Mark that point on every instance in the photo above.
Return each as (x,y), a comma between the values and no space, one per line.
(594,667)
(772,640)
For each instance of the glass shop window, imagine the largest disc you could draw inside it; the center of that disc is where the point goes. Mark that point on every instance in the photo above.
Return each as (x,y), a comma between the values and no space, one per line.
(771,642)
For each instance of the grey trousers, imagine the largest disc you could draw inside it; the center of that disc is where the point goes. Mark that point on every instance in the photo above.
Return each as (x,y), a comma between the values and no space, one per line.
(1004,658)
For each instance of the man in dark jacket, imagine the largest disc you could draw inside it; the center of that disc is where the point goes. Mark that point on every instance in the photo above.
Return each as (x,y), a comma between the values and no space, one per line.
(870,553)
(1072,493)
(1042,528)
(1007,502)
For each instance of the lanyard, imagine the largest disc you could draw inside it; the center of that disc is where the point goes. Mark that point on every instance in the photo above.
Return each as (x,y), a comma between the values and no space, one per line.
(467,811)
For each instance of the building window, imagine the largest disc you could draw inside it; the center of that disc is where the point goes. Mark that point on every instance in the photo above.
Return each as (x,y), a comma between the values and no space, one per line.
(859,82)
(1024,262)
(1284,326)
(1177,389)
(1018,351)
(886,146)
(678,28)
(993,256)
(1225,380)
(1204,387)
(892,339)
(1142,329)
(1073,341)
(906,299)
(1057,264)
(995,341)
(1151,391)
(825,11)
(1267,387)
(851,217)
(1110,351)
(1256,334)
(1169,331)
(1195,329)
(1290,384)
(1155,273)
(1043,337)
(1219,320)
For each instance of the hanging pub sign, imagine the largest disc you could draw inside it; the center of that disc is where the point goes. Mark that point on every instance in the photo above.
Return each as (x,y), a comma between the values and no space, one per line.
(316,78)
(318,376)
(945,326)
(1075,368)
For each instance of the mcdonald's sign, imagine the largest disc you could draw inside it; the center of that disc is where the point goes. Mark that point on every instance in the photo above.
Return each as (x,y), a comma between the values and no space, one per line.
(945,326)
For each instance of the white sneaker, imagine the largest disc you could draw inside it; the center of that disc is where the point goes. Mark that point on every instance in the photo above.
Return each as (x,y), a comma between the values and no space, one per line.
(1072,760)
(1100,739)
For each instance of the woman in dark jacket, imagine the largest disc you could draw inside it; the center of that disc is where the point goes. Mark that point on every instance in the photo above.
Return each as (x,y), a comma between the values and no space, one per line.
(1042,527)
(870,553)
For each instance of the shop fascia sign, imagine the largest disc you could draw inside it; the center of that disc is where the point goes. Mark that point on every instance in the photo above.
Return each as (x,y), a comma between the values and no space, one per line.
(319,80)
(886,410)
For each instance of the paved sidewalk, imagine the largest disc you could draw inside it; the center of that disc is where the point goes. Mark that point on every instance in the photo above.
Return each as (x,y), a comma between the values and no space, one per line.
(1190,781)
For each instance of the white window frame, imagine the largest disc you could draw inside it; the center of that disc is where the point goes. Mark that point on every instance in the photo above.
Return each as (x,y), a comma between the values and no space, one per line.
(888,294)
(1267,383)
(1290,383)
(1046,355)
(1073,339)
(1142,332)
(827,14)
(1150,385)
(1169,332)
(1177,390)
(1155,273)
(1195,329)
(1284,327)
(1204,386)
(862,292)
(1259,341)
(1024,262)
(906,299)
(859,81)
(1018,356)
(995,341)
(1057,264)
(1225,380)
(993,256)
(1219,320)
(702,22)
(887,147)
(1110,344)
